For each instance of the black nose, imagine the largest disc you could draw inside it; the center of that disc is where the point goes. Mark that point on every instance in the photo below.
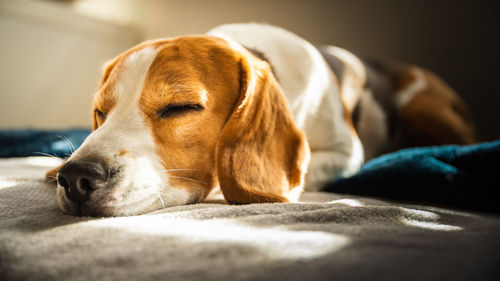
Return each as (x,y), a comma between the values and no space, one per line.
(81,178)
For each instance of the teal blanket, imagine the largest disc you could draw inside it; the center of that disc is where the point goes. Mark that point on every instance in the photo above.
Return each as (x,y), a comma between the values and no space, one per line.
(454,176)
(31,142)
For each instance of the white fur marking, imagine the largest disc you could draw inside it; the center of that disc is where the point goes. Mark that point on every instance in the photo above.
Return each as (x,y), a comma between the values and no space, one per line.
(356,158)
(318,83)
(404,96)
(204,96)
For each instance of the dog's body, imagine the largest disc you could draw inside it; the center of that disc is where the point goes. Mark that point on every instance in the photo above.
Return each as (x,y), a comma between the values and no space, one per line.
(331,92)
(176,118)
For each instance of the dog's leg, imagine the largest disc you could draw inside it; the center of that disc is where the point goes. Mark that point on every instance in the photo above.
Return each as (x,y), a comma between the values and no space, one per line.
(326,166)
(434,114)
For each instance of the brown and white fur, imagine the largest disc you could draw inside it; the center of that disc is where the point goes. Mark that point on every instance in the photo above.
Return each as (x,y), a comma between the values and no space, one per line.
(247,108)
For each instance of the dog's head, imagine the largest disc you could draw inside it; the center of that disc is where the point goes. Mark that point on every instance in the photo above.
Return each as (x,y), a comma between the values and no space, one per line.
(175,118)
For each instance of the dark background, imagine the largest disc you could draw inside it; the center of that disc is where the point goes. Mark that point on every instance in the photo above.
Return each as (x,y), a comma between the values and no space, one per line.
(456,39)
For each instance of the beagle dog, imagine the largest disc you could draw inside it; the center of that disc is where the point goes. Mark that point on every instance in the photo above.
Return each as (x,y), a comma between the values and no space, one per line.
(248,108)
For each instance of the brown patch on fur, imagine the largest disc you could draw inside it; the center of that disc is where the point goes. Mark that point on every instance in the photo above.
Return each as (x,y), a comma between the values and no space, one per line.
(244,139)
(436,115)
(123,152)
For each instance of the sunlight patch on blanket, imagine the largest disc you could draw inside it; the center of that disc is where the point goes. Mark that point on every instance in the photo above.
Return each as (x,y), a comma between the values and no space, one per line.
(430,225)
(6,183)
(425,219)
(275,242)
(348,202)
(421,214)
(42,161)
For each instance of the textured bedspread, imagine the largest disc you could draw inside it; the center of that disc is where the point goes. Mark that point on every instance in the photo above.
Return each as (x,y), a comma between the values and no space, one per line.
(327,237)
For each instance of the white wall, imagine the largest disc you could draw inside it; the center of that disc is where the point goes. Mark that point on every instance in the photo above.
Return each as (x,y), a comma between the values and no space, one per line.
(51,60)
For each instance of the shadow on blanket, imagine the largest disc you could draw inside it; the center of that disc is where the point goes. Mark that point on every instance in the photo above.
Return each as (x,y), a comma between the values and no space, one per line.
(453,176)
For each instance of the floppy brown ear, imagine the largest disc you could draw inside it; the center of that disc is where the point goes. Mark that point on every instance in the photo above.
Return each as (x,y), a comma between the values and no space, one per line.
(261,155)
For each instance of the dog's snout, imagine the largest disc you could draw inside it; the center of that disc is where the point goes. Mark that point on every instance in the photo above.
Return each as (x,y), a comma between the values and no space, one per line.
(80,178)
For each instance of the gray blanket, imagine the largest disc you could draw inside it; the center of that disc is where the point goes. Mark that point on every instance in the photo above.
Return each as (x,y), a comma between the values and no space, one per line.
(326,237)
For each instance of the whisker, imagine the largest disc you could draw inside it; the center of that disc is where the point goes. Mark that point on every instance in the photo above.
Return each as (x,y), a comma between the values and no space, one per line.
(188,179)
(52,180)
(167,195)
(45,154)
(161,199)
(169,170)
(71,146)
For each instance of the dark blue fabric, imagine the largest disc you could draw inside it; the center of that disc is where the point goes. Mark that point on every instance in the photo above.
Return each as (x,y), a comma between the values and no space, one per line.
(30,142)
(455,176)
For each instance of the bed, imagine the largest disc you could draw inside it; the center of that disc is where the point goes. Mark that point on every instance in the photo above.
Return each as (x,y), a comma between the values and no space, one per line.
(327,236)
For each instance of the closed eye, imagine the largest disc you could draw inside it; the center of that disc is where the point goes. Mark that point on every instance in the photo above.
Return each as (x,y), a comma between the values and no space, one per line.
(173,110)
(100,114)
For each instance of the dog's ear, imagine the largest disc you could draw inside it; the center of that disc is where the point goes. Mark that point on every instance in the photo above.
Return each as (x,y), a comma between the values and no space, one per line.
(261,155)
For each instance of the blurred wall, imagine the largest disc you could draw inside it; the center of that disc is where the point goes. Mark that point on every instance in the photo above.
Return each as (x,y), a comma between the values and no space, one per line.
(455,39)
(51,59)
